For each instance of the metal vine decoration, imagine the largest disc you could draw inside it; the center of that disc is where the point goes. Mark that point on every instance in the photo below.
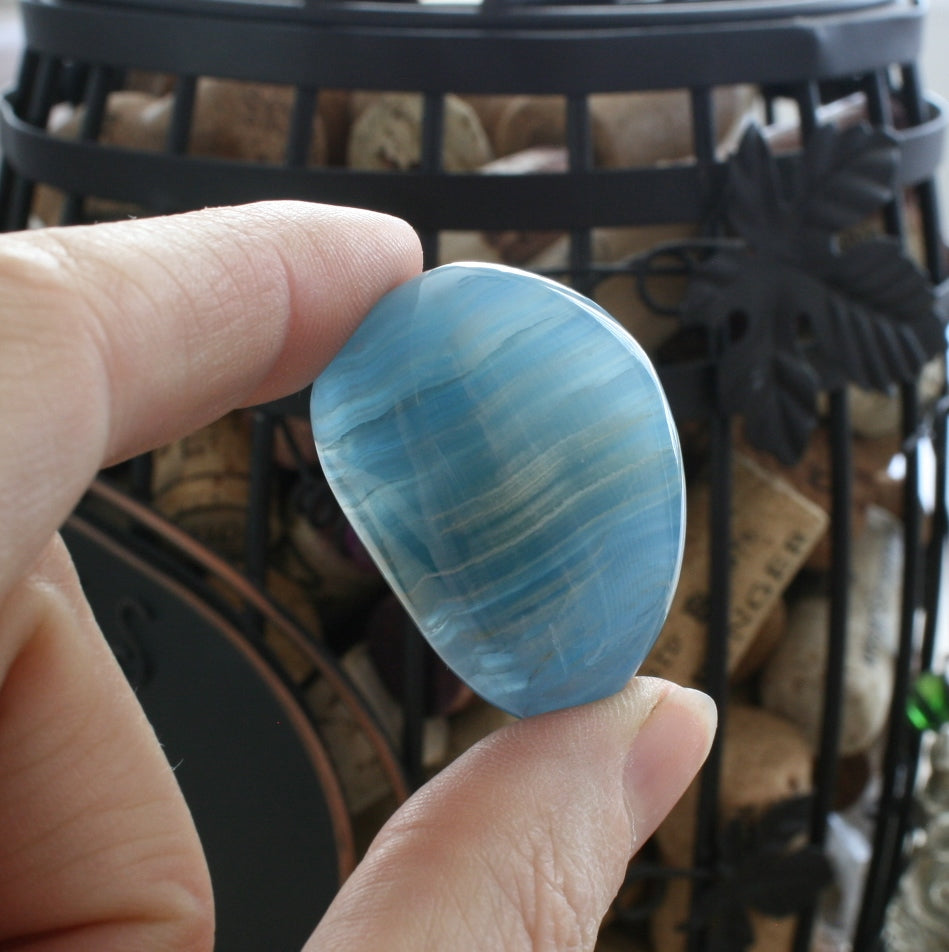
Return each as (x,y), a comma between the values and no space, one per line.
(794,309)
(761,868)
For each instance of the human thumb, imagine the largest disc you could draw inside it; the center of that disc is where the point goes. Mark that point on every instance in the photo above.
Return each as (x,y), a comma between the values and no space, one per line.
(523,842)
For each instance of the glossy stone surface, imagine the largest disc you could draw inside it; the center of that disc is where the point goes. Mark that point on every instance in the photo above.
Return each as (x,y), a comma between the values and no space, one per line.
(504,451)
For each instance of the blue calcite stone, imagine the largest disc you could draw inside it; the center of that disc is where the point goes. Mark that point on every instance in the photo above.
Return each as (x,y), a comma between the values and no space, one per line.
(506,454)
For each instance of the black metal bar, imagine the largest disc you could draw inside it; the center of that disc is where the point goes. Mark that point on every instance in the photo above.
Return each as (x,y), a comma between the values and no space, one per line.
(414,690)
(807,96)
(140,477)
(431,150)
(38,102)
(531,49)
(433,132)
(600,198)
(704,134)
(825,772)
(179,129)
(580,159)
(932,584)
(257,532)
(926,192)
(257,540)
(914,102)
(704,143)
(705,852)
(705,856)
(934,560)
(300,133)
(580,152)
(24,82)
(887,848)
(94,102)
(939,533)
(899,767)
(880,110)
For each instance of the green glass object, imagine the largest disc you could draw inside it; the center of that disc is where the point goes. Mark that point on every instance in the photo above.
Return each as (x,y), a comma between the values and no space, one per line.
(927,706)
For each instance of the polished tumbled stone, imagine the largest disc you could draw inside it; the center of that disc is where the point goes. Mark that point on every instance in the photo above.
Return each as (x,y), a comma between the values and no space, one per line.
(506,454)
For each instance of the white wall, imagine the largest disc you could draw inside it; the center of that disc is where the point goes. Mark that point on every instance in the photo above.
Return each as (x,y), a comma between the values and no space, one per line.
(934,66)
(10,41)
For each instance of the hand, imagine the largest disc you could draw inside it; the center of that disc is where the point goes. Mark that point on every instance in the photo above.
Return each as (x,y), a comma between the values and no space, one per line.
(118,338)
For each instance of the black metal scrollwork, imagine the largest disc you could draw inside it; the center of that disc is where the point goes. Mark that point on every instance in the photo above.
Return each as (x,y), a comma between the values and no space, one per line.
(795,307)
(761,868)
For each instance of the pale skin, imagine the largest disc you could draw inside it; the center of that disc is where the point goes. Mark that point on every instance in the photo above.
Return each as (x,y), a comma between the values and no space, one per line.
(118,338)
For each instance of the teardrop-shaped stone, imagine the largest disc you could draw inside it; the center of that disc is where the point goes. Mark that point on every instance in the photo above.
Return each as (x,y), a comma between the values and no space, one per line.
(505,452)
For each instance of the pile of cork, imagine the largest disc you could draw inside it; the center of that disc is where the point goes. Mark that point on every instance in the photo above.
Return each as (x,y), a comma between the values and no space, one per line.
(780,551)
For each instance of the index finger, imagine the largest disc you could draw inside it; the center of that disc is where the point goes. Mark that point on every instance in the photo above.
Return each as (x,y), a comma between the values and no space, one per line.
(117,338)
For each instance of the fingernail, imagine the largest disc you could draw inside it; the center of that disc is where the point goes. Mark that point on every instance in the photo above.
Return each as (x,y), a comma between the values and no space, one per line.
(665,755)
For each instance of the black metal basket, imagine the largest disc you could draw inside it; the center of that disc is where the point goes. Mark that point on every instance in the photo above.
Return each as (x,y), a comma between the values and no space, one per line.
(799,59)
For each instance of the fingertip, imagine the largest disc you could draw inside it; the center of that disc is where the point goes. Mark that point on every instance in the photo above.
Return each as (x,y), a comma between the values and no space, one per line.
(702,710)
(664,757)
(528,833)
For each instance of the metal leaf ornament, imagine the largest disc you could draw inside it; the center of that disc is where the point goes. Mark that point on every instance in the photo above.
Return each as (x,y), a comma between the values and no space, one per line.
(793,310)
(761,868)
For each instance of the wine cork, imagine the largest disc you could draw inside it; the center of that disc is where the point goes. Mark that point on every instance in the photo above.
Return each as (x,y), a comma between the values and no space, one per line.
(146,81)
(334,107)
(316,557)
(293,444)
(519,248)
(385,633)
(289,598)
(765,760)
(133,120)
(611,245)
(515,246)
(234,120)
(490,109)
(631,129)
(875,414)
(628,129)
(359,665)
(361,99)
(854,774)
(619,294)
(466,246)
(248,121)
(769,636)
(524,122)
(357,765)
(812,476)
(360,772)
(536,160)
(669,922)
(202,484)
(774,529)
(387,135)
(792,683)
(288,595)
(785,134)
